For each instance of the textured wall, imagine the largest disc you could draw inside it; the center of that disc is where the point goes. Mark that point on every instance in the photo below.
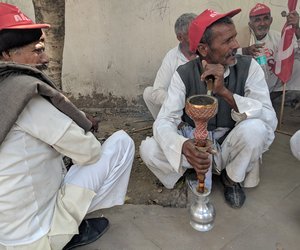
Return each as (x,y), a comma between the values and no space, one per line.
(113,48)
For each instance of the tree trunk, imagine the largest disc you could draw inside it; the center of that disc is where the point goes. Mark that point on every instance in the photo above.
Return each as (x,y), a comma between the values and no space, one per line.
(53,13)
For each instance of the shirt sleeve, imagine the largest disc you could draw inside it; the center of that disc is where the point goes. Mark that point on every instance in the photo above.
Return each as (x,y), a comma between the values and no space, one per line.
(42,120)
(256,102)
(164,76)
(169,117)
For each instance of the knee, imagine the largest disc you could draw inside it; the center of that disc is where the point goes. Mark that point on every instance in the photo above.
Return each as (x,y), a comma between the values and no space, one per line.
(147,94)
(123,139)
(253,133)
(146,150)
(295,144)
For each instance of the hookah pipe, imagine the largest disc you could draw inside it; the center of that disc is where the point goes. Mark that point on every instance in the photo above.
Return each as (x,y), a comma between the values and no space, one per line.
(204,144)
(200,108)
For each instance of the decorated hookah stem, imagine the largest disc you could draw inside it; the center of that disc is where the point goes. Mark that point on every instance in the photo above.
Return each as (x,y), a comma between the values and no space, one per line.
(201,133)
(200,142)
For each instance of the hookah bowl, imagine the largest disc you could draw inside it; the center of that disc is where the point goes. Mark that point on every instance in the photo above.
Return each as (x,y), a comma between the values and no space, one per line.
(200,108)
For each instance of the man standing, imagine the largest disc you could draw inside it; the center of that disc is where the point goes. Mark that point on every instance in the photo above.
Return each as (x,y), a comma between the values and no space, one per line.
(156,94)
(264,40)
(42,205)
(243,128)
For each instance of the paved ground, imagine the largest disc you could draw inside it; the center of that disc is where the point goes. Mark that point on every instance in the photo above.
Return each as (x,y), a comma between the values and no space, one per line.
(270,218)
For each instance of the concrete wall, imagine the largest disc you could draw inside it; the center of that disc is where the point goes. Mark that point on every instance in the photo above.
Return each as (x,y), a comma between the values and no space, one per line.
(114,47)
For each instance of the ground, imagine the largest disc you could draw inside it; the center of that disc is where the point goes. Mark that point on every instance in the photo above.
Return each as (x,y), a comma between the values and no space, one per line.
(144,187)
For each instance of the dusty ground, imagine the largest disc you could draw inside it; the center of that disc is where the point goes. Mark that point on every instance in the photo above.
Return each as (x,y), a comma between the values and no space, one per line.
(144,188)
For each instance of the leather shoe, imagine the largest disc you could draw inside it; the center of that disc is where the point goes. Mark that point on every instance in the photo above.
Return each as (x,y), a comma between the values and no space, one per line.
(233,191)
(89,231)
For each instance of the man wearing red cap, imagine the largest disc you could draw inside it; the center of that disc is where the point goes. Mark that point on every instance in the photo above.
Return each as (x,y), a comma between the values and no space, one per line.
(243,128)
(155,95)
(267,41)
(42,206)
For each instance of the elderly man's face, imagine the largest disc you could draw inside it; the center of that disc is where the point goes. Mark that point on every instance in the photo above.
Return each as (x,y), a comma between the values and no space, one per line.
(223,46)
(32,54)
(260,25)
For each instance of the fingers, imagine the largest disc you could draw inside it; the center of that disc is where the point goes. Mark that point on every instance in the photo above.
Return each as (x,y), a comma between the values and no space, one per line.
(216,70)
(199,160)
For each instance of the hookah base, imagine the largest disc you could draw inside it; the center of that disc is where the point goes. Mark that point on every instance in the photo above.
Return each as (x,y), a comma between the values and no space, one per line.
(201,227)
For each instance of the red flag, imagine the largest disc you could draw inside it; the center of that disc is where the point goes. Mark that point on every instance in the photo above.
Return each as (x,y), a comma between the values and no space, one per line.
(285,56)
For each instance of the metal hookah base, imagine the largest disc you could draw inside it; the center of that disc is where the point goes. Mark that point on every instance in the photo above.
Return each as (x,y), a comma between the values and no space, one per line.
(202,212)
(203,220)
(202,228)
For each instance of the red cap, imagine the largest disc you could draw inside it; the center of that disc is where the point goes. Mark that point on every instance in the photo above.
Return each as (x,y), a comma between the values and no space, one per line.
(11,17)
(259,9)
(201,22)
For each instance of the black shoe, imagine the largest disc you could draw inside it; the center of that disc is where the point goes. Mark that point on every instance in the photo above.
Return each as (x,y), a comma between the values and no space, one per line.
(89,231)
(233,191)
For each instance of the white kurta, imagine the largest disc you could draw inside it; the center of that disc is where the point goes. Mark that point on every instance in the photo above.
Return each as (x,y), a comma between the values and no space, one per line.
(156,94)
(37,196)
(163,153)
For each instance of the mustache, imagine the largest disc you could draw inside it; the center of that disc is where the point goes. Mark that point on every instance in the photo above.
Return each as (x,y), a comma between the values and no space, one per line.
(232,53)
(42,66)
(262,28)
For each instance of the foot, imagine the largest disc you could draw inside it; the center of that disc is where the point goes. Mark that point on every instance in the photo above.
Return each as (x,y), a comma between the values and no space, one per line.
(233,191)
(89,231)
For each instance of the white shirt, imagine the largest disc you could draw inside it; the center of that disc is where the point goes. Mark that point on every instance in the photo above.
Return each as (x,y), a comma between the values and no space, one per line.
(272,41)
(170,63)
(255,104)
(31,169)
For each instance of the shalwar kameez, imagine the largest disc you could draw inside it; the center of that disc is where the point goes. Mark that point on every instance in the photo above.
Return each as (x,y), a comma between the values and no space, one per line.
(240,151)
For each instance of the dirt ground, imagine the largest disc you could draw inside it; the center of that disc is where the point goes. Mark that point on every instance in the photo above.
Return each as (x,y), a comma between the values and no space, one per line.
(144,187)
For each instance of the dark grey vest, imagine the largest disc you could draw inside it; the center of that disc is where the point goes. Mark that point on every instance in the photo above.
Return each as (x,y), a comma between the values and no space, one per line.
(235,82)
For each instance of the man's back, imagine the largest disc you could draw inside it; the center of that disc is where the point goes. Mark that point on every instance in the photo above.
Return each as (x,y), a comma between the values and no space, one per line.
(30,172)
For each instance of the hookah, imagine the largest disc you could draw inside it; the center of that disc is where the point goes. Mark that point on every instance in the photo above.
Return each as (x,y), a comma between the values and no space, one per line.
(200,108)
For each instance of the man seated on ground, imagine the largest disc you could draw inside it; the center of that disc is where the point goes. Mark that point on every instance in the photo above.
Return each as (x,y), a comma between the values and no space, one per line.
(42,205)
(263,39)
(295,144)
(156,94)
(243,128)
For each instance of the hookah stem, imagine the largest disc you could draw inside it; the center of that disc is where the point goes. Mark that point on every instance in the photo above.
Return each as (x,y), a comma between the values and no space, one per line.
(209,84)
(209,80)
(201,144)
(201,185)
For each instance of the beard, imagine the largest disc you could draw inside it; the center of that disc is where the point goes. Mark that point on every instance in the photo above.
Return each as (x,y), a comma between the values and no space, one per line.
(233,53)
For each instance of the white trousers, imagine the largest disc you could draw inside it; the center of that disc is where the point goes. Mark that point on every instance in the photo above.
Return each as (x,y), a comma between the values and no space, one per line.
(109,176)
(239,154)
(295,144)
(154,99)
(86,189)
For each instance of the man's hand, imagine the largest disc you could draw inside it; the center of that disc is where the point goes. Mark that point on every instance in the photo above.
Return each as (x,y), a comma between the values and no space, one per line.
(217,70)
(200,161)
(95,123)
(253,50)
(293,19)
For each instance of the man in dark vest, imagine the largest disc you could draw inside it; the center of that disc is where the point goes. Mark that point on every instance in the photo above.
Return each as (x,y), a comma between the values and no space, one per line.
(243,128)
